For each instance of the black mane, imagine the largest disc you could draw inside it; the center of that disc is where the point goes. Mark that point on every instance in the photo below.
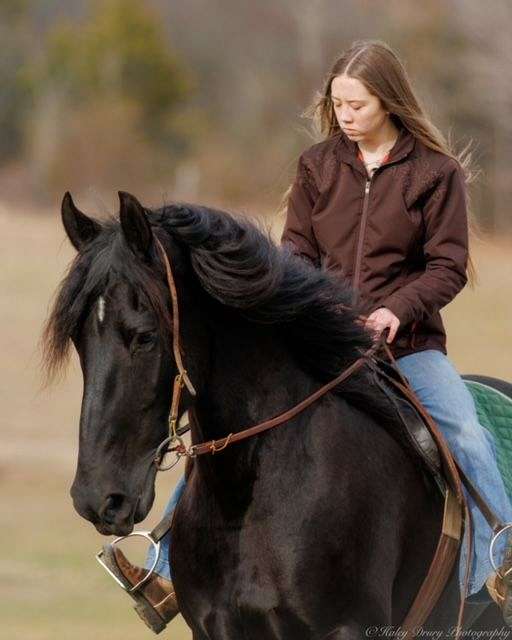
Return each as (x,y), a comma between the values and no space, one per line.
(239,265)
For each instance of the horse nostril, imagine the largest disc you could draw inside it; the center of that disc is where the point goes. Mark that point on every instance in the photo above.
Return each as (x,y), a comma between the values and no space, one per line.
(112,506)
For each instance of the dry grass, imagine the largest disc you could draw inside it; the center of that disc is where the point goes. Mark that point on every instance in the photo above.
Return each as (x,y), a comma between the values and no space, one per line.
(52,586)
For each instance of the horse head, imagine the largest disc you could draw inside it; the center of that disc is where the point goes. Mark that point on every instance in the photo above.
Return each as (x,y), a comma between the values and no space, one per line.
(114,308)
(246,307)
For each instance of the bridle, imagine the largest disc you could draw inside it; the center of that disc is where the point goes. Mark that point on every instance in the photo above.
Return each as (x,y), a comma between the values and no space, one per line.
(174,443)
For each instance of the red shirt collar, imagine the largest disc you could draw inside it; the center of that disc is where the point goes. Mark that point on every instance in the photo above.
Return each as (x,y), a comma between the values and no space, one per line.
(385,159)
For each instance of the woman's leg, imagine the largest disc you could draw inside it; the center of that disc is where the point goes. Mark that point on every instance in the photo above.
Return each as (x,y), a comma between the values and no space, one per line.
(442,391)
(163,567)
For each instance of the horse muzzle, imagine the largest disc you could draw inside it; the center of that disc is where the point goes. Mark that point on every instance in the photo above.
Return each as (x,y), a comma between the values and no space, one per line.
(113,513)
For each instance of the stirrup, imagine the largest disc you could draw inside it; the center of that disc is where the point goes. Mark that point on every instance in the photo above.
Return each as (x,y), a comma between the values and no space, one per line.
(491,550)
(140,534)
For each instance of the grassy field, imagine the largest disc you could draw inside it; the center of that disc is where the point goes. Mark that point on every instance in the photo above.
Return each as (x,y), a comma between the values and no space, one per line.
(52,587)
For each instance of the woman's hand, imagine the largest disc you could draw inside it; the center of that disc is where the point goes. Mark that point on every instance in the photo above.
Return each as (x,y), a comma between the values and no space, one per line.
(381,319)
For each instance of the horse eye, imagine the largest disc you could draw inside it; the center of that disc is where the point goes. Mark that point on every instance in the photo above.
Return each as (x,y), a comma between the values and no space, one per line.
(147,338)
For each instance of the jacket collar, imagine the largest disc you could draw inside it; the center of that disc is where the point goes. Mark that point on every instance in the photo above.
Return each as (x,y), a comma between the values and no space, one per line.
(348,150)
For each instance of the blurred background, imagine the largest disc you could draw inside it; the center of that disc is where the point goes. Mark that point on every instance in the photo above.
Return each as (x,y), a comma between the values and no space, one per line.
(200,101)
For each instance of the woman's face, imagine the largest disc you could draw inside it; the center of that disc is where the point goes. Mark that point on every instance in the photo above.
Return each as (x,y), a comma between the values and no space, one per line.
(359,113)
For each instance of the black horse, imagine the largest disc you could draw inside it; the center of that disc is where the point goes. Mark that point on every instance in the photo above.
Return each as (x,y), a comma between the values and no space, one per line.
(321,528)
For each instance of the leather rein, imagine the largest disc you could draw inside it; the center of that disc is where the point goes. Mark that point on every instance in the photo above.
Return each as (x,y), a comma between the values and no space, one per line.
(174,443)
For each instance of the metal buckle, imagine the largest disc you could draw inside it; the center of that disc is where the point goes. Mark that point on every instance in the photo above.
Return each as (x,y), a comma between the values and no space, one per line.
(491,549)
(140,534)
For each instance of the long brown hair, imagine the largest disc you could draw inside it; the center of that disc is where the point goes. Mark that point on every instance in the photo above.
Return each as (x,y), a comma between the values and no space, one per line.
(378,67)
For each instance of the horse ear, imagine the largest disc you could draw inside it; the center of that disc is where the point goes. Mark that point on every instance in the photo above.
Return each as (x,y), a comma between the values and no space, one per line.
(135,225)
(80,228)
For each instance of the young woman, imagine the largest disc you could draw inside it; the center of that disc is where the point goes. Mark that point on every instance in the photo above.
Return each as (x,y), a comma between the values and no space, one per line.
(382,201)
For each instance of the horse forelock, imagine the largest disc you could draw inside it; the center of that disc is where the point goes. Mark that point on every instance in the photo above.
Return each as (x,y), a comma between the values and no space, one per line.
(107,261)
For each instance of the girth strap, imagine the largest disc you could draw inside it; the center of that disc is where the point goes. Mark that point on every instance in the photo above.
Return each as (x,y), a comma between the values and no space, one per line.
(440,568)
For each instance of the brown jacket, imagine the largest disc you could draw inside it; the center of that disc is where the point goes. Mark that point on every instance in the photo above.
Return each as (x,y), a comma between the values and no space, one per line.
(401,237)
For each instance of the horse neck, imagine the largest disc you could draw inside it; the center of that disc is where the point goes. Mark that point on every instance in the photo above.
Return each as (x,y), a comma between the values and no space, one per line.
(252,377)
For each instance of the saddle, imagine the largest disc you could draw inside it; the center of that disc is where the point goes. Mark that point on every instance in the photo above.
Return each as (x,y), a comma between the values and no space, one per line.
(494,410)
(410,428)
(419,433)
(493,402)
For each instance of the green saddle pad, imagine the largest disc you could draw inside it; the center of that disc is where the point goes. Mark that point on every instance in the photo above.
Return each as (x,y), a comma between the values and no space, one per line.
(495,414)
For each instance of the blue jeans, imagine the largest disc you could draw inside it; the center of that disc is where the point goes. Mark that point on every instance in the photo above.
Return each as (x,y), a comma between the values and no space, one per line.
(163,567)
(442,391)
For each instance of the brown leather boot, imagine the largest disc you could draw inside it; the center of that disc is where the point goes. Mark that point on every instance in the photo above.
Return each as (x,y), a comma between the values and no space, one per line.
(499,586)
(155,600)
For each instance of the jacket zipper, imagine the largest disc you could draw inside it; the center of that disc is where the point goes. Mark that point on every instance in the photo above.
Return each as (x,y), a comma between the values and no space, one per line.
(362,227)
(360,240)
